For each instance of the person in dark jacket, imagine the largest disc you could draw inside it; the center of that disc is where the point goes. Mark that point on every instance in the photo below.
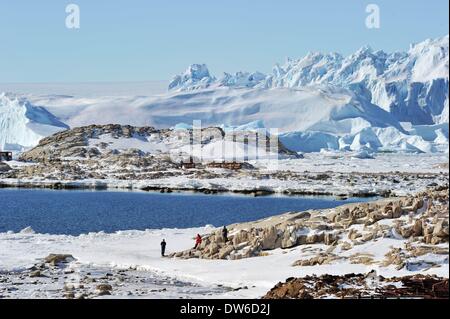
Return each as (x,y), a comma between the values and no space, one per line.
(163,248)
(225,233)
(198,241)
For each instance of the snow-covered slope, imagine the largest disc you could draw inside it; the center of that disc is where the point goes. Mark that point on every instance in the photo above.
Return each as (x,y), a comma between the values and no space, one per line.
(412,86)
(309,119)
(22,125)
(336,111)
(351,92)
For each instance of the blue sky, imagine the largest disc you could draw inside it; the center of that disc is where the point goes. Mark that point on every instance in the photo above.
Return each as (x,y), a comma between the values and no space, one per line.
(140,40)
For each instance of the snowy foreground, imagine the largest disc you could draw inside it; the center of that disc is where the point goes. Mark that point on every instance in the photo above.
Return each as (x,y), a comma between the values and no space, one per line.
(139,250)
(136,269)
(397,243)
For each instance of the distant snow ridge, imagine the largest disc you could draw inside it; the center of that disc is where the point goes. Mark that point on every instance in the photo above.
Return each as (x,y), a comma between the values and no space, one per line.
(22,125)
(370,101)
(195,77)
(308,119)
(412,86)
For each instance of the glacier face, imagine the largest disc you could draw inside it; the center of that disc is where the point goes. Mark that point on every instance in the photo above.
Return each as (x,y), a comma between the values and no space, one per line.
(412,86)
(22,125)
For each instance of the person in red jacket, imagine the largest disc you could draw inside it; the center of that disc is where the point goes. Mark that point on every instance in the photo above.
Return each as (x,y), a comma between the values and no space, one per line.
(198,241)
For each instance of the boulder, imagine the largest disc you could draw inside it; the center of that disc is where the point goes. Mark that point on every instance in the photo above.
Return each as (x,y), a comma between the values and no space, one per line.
(377,216)
(346,246)
(436,240)
(315,238)
(269,238)
(353,234)
(417,204)
(54,259)
(329,238)
(304,215)
(406,232)
(367,237)
(427,230)
(69,295)
(4,167)
(247,253)
(396,211)
(301,240)
(427,238)
(36,273)
(104,287)
(289,240)
(441,229)
(342,214)
(225,252)
(388,214)
(417,228)
(240,237)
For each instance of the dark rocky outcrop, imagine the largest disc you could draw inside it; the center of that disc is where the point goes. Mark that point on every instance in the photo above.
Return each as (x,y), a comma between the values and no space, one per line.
(89,153)
(354,286)
(4,167)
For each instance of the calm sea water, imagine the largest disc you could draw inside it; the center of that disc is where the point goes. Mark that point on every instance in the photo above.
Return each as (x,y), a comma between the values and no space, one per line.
(77,212)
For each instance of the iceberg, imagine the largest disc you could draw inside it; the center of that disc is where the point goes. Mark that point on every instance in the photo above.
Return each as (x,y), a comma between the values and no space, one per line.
(23,125)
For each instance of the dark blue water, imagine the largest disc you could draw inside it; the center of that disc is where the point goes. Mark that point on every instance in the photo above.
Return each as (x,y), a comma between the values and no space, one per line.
(77,212)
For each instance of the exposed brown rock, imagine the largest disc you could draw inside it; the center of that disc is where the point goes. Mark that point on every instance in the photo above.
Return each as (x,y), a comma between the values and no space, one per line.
(355,286)
(55,259)
(333,227)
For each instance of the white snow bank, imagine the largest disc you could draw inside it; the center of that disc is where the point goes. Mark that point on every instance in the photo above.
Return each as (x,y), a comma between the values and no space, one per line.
(141,249)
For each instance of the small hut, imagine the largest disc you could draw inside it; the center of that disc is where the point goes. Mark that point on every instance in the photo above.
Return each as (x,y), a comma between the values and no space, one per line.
(227,165)
(188,165)
(6,156)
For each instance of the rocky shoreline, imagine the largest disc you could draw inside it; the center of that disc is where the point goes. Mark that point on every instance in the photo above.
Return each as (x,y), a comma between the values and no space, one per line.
(96,186)
(347,235)
(263,184)
(422,219)
(100,157)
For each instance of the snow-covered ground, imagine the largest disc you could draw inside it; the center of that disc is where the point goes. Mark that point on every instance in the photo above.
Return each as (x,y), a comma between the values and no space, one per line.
(330,173)
(350,162)
(139,250)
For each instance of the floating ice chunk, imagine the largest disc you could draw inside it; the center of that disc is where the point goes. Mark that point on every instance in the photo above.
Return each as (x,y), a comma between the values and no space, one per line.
(27,230)
(363,154)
